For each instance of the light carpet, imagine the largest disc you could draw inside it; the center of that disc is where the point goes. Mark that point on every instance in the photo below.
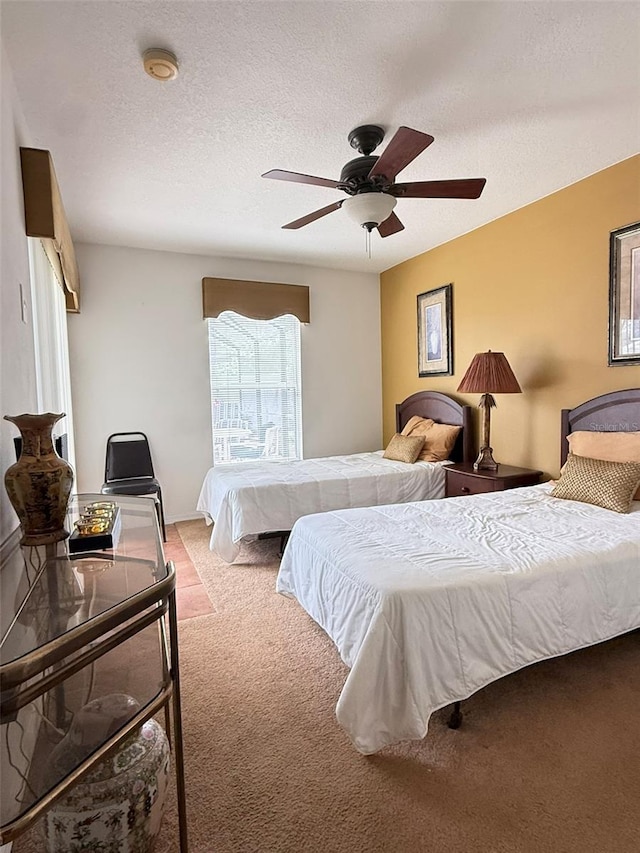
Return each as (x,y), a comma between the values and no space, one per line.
(547,760)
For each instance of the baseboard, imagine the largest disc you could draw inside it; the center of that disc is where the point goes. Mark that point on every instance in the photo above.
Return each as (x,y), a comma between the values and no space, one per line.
(175,518)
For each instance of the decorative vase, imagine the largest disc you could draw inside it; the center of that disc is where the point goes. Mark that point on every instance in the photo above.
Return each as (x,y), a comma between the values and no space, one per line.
(39,483)
(118,806)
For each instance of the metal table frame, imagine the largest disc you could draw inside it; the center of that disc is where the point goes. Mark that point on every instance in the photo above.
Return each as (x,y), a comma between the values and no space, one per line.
(47,664)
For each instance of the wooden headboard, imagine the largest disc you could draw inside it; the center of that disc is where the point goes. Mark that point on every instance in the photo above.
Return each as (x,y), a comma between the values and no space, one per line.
(618,411)
(444,410)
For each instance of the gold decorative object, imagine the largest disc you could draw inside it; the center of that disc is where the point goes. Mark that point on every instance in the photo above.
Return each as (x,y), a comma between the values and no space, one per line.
(97,528)
(39,483)
(89,527)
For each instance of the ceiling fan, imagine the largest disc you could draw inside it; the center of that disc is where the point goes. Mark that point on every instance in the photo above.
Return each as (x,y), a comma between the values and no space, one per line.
(369,181)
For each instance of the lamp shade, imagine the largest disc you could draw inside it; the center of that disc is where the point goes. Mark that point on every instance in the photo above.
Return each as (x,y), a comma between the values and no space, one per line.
(489,373)
(369,209)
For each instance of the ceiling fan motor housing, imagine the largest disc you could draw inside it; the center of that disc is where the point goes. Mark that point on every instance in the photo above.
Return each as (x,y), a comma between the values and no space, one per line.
(354,177)
(356,171)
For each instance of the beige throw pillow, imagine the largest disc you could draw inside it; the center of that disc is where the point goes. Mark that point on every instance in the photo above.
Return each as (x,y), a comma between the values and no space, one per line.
(404,448)
(439,442)
(610,485)
(417,426)
(439,438)
(611,446)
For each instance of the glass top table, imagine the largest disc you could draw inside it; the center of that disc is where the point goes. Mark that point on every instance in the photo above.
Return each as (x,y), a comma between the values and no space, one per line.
(80,621)
(69,596)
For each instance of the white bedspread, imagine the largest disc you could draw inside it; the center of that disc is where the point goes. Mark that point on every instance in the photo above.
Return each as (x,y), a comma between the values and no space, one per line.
(429,602)
(248,498)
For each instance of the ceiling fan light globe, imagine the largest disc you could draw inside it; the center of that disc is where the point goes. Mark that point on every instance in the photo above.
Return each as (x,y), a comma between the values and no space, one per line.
(369,209)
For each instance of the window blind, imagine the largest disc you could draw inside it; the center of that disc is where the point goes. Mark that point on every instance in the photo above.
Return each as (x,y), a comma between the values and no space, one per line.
(255,388)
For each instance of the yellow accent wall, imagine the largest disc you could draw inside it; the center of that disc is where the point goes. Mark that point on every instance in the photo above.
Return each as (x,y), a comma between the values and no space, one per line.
(535,285)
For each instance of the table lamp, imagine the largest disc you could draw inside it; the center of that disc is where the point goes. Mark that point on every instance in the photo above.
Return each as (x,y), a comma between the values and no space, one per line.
(489,373)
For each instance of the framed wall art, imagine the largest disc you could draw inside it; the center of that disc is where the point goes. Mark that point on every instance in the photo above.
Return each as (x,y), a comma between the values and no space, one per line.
(435,332)
(624,295)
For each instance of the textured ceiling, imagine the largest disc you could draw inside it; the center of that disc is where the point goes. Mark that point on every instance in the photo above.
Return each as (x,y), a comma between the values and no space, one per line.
(532,96)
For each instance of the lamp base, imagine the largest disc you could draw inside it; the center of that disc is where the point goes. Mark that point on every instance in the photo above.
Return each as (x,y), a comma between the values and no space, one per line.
(485,460)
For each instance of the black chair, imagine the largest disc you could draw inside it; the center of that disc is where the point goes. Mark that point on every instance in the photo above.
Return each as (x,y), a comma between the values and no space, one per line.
(128,470)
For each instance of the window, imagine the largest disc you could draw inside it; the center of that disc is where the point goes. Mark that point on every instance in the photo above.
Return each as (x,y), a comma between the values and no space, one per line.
(53,378)
(255,388)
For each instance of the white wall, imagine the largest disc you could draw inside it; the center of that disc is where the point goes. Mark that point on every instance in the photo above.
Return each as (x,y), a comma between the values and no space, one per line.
(17,357)
(139,361)
(17,364)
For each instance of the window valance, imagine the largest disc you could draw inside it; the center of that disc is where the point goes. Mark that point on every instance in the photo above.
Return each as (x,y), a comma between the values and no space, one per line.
(259,300)
(45,218)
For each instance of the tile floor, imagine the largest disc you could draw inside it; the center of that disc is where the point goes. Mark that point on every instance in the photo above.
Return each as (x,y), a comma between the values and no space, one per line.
(191,597)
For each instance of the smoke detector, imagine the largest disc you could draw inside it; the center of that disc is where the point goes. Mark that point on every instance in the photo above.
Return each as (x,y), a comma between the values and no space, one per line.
(160,64)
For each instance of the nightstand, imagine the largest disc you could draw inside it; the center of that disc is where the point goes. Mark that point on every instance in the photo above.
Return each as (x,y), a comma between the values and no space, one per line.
(461,479)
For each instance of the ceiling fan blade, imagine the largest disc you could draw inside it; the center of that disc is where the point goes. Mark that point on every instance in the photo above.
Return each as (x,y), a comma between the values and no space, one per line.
(311,217)
(463,188)
(403,148)
(391,225)
(298,178)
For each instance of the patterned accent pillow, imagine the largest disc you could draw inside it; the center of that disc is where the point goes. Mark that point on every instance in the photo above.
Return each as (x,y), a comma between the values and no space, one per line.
(610,485)
(404,448)
(612,446)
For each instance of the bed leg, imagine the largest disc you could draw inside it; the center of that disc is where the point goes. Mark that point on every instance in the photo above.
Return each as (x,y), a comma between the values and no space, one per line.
(283,543)
(455,720)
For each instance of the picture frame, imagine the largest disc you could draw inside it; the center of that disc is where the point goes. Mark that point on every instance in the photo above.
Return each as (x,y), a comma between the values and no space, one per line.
(624,295)
(435,332)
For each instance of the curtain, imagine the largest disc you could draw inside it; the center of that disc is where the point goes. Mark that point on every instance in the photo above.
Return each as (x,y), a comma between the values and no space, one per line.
(53,375)
(259,300)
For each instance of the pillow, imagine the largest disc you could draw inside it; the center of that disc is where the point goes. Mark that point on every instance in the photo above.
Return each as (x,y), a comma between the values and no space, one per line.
(610,485)
(417,426)
(439,438)
(404,448)
(439,442)
(611,446)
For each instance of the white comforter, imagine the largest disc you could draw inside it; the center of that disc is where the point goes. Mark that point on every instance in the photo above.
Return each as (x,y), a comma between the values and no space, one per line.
(429,602)
(248,498)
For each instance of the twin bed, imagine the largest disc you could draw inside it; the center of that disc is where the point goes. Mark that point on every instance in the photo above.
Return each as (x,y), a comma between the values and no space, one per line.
(246,500)
(428,602)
